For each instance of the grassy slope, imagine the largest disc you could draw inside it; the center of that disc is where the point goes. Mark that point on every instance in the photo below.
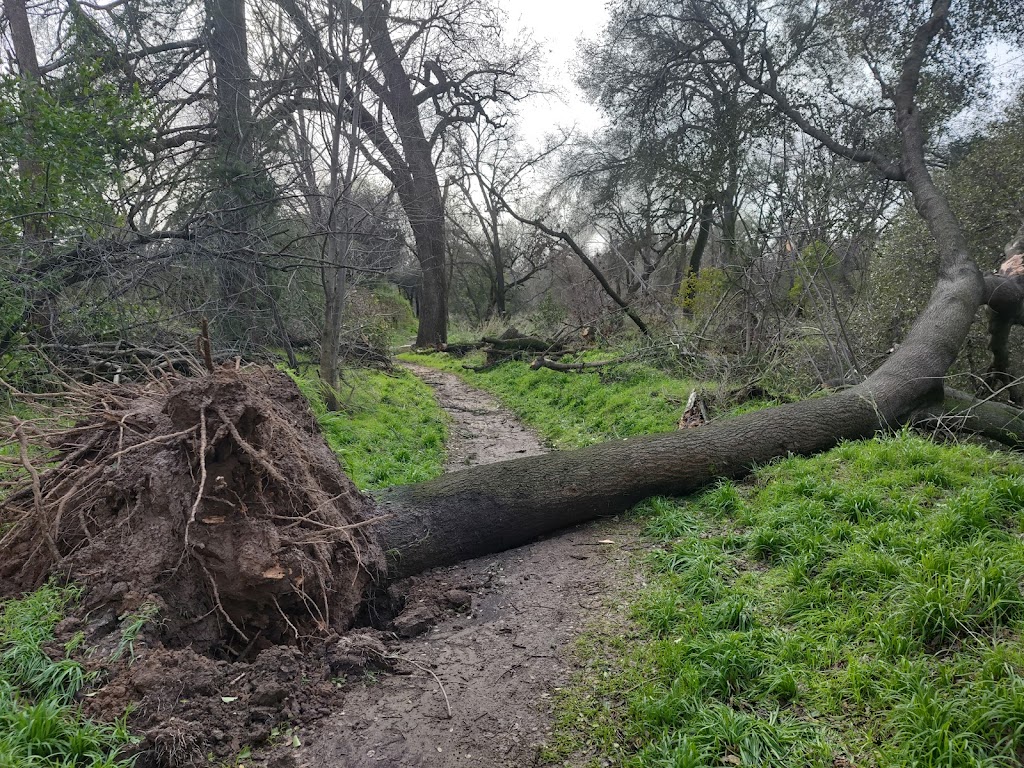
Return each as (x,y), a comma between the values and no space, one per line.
(862,607)
(391,431)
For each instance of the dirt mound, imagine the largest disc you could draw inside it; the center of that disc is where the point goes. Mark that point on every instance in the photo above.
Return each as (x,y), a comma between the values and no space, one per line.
(213,503)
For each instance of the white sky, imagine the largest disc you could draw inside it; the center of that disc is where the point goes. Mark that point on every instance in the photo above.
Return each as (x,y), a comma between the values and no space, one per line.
(557,25)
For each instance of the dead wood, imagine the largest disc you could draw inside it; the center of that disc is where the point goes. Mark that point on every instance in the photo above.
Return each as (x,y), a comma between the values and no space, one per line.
(584,365)
(960,412)
(695,413)
(523,344)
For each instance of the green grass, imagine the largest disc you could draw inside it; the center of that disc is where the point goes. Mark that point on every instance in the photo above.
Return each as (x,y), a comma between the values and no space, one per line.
(862,605)
(576,409)
(391,430)
(40,725)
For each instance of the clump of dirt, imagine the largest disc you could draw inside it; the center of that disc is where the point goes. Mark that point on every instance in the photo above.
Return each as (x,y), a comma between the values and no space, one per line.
(212,502)
(221,551)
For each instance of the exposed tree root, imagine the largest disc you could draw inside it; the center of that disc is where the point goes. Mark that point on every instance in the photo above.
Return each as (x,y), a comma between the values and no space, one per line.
(213,497)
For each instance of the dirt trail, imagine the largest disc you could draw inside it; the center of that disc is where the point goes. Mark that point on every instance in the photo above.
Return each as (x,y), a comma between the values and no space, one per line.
(497,664)
(482,431)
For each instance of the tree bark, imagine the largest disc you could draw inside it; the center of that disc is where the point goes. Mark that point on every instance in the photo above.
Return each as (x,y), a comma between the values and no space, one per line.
(1004,295)
(419,192)
(498,506)
(240,275)
(707,211)
(31,173)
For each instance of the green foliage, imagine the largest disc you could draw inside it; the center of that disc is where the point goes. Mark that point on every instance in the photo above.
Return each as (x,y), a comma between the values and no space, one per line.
(63,149)
(572,410)
(391,431)
(862,605)
(39,724)
(701,292)
(76,135)
(395,311)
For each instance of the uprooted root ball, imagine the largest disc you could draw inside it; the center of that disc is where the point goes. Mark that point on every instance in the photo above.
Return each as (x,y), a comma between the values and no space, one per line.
(214,499)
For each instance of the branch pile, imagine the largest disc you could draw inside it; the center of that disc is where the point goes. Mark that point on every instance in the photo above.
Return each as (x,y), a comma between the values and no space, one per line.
(214,498)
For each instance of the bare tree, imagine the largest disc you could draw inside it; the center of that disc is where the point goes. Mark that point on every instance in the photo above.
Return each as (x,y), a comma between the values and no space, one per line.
(491,166)
(424,75)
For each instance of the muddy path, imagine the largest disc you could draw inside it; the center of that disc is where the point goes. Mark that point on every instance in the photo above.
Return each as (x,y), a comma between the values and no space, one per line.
(477,687)
(481,430)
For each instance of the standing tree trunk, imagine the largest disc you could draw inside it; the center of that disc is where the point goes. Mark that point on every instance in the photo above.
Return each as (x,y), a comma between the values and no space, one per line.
(419,190)
(240,272)
(688,281)
(36,239)
(707,211)
(498,262)
(29,170)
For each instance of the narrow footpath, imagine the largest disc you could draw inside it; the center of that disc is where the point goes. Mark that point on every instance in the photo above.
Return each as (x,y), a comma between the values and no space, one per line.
(497,664)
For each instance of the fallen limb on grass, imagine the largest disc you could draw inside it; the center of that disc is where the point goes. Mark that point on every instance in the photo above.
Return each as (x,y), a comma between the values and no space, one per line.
(584,365)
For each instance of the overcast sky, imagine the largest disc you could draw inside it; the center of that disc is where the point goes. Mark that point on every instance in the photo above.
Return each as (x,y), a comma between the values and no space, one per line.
(557,25)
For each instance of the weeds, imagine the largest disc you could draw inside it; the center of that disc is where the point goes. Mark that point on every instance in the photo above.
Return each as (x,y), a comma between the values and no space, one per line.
(131,625)
(39,724)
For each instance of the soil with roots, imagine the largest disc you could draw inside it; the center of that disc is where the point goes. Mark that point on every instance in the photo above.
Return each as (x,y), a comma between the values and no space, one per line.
(210,512)
(232,593)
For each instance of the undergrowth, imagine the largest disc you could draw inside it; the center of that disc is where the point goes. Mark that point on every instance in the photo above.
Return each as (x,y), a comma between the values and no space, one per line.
(576,409)
(861,607)
(40,724)
(390,431)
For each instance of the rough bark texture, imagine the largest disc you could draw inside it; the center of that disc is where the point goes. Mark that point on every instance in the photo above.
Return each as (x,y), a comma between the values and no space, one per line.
(241,276)
(960,411)
(500,506)
(417,187)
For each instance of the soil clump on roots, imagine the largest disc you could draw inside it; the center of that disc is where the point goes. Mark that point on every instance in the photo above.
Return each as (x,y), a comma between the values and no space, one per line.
(211,513)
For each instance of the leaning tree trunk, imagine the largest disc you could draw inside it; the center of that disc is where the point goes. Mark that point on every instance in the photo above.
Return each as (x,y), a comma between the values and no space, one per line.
(498,506)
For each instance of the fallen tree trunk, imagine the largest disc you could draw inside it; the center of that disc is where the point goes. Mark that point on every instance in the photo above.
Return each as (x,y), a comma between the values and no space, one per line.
(242,453)
(522,343)
(497,506)
(961,412)
(583,365)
